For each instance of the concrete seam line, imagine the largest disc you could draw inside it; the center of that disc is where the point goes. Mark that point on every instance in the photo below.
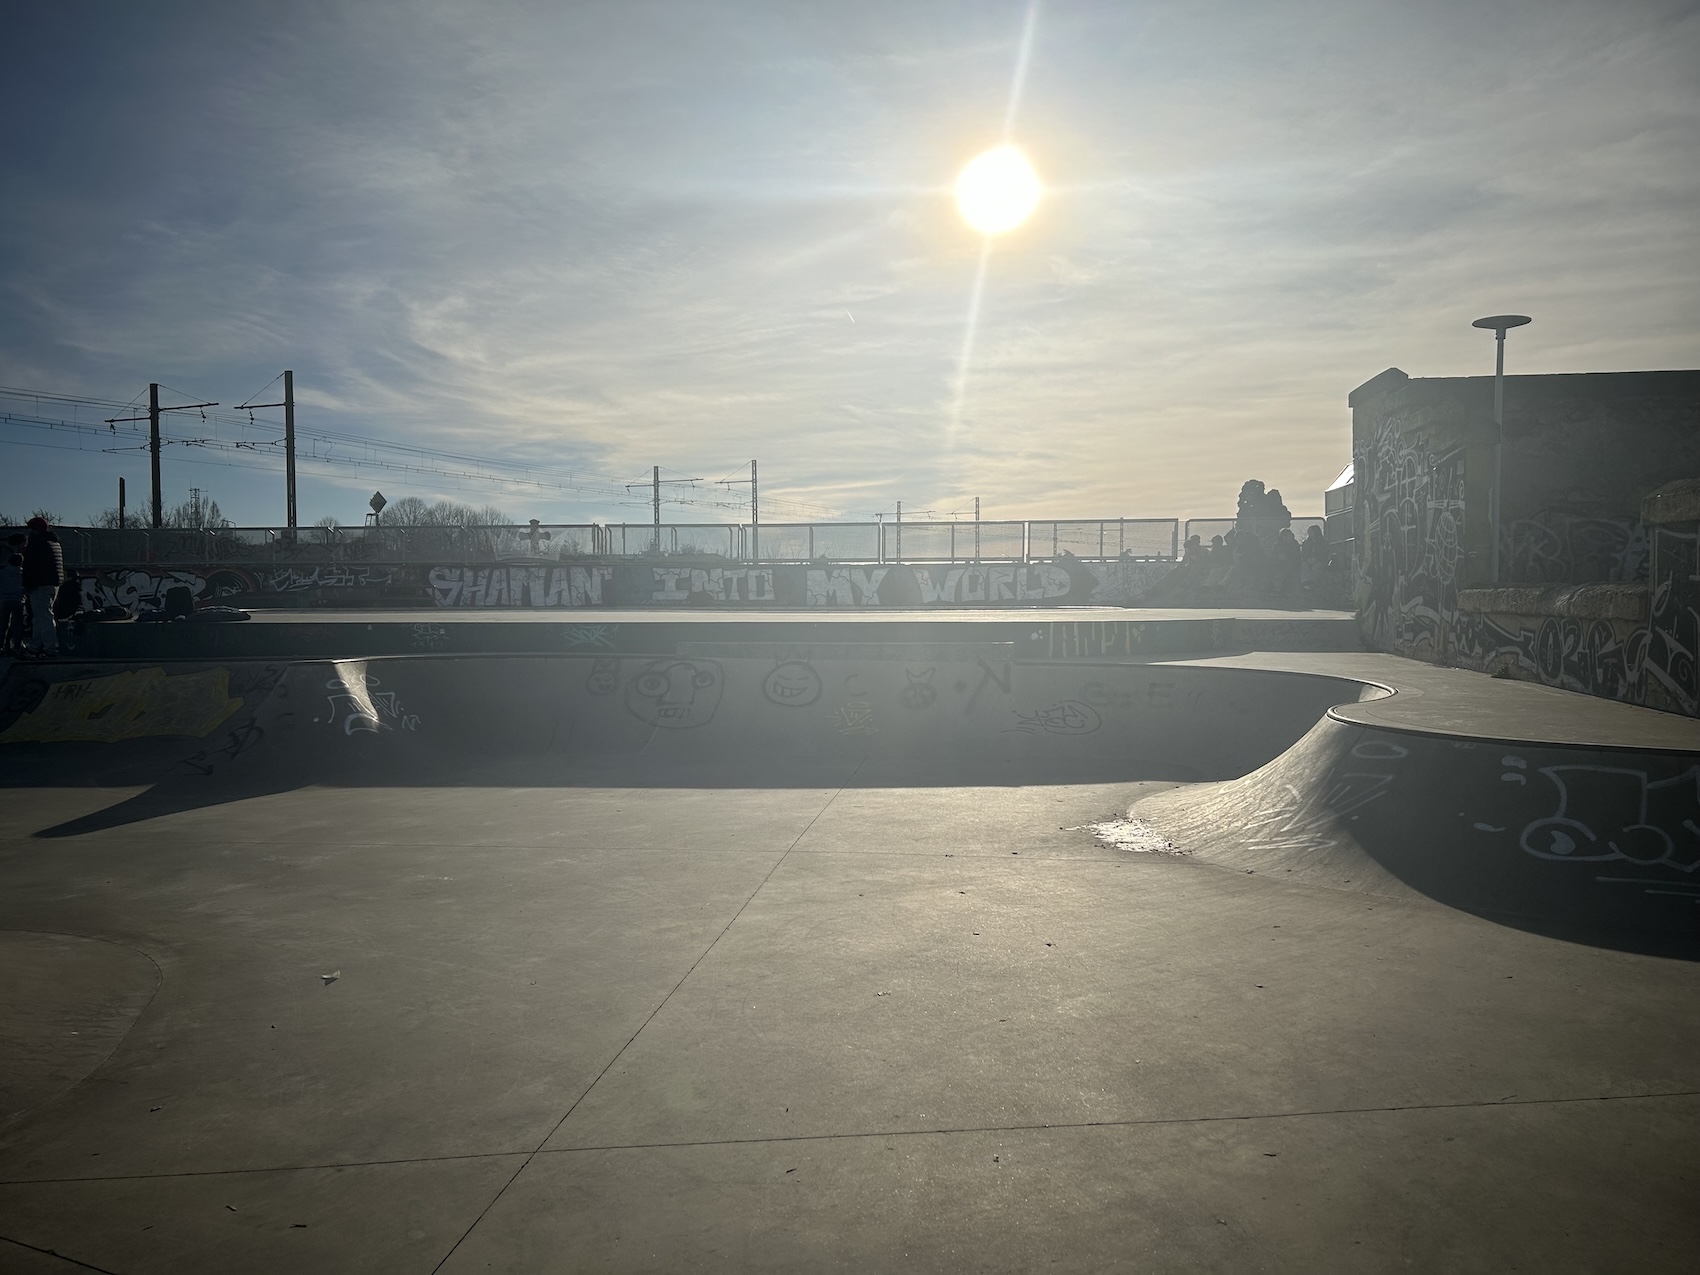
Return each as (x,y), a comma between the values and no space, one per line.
(662,1004)
(47,1252)
(1061,1126)
(268,1168)
(1483,1105)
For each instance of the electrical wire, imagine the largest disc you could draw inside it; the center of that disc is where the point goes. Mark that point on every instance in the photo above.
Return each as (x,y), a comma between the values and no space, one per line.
(519,474)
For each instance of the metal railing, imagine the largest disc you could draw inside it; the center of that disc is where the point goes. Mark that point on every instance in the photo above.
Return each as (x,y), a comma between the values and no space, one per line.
(1207,528)
(1093,539)
(891,541)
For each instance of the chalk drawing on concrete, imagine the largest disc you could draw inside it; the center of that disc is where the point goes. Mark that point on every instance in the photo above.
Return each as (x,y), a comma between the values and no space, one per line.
(238,741)
(675,694)
(356,706)
(1605,813)
(792,684)
(990,677)
(604,678)
(589,635)
(918,691)
(1309,821)
(1069,717)
(428,637)
(855,712)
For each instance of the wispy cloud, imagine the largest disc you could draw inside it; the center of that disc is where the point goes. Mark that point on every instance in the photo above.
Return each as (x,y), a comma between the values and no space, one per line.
(608,236)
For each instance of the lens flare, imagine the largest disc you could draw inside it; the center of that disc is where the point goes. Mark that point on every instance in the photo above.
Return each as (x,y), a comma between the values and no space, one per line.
(997,191)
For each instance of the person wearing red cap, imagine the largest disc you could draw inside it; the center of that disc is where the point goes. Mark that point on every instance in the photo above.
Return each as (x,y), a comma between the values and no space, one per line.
(44,572)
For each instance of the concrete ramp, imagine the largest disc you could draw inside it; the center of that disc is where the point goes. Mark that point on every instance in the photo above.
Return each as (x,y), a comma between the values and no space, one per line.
(1597,845)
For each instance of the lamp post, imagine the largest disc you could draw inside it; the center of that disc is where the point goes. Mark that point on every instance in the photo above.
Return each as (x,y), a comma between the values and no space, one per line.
(1499,323)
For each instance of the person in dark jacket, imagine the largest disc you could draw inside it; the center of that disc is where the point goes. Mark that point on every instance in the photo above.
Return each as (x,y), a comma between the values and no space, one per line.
(11,602)
(44,572)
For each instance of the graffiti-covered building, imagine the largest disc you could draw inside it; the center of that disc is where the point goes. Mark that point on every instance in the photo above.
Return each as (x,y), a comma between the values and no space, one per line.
(1588,581)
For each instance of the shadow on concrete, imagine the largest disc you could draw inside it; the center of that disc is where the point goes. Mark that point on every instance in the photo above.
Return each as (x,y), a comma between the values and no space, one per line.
(177,794)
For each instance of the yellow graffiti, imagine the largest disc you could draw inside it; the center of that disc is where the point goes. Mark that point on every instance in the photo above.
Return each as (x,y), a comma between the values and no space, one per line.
(130,705)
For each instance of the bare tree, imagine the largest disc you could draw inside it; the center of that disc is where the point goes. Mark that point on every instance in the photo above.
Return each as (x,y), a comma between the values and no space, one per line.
(411,511)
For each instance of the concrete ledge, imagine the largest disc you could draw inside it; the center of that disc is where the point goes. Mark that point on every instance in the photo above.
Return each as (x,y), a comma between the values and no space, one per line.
(1674,502)
(1581,601)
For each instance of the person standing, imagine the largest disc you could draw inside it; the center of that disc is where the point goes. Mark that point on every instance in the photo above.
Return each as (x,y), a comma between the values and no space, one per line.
(44,572)
(11,603)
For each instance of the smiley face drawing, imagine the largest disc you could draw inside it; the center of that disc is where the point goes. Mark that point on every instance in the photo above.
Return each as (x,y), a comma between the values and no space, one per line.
(792,684)
(675,694)
(604,677)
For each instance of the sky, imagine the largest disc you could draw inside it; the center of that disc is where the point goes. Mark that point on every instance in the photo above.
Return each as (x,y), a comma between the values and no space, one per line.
(596,237)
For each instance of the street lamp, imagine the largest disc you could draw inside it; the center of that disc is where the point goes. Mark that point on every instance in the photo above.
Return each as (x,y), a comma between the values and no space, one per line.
(1500,323)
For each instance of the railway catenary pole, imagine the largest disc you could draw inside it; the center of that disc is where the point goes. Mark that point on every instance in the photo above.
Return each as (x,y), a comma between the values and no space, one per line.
(289,444)
(288,406)
(152,418)
(153,452)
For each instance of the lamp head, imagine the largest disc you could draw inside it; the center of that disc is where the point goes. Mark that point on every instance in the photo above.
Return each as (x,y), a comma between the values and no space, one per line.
(1500,322)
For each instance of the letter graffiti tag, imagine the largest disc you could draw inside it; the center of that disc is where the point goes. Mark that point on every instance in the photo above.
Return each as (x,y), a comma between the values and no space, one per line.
(600,635)
(1070,717)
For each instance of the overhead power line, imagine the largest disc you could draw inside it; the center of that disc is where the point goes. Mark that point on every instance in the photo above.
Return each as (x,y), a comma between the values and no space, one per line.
(358,452)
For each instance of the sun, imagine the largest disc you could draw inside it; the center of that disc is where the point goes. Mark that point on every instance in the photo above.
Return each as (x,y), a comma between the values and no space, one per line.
(997,191)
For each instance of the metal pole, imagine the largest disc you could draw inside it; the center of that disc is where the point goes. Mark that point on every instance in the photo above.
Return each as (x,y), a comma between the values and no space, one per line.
(900,531)
(153,449)
(1498,443)
(120,504)
(657,501)
(976,529)
(755,517)
(289,444)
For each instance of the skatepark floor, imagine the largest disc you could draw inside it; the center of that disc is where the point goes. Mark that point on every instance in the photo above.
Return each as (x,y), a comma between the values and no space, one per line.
(830,1019)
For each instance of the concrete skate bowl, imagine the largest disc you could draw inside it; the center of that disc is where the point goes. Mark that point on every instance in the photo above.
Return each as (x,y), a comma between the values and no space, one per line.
(642,720)
(1594,844)
(204,734)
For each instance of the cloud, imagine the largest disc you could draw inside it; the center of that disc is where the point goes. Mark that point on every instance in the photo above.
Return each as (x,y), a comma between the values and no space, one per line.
(609,236)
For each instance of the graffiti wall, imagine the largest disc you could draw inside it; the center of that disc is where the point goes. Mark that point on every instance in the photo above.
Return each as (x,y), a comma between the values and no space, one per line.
(642,584)
(1423,452)
(1648,657)
(1411,503)
(1557,546)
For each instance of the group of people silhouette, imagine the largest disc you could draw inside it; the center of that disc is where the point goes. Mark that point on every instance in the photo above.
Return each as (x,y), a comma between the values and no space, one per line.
(1258,559)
